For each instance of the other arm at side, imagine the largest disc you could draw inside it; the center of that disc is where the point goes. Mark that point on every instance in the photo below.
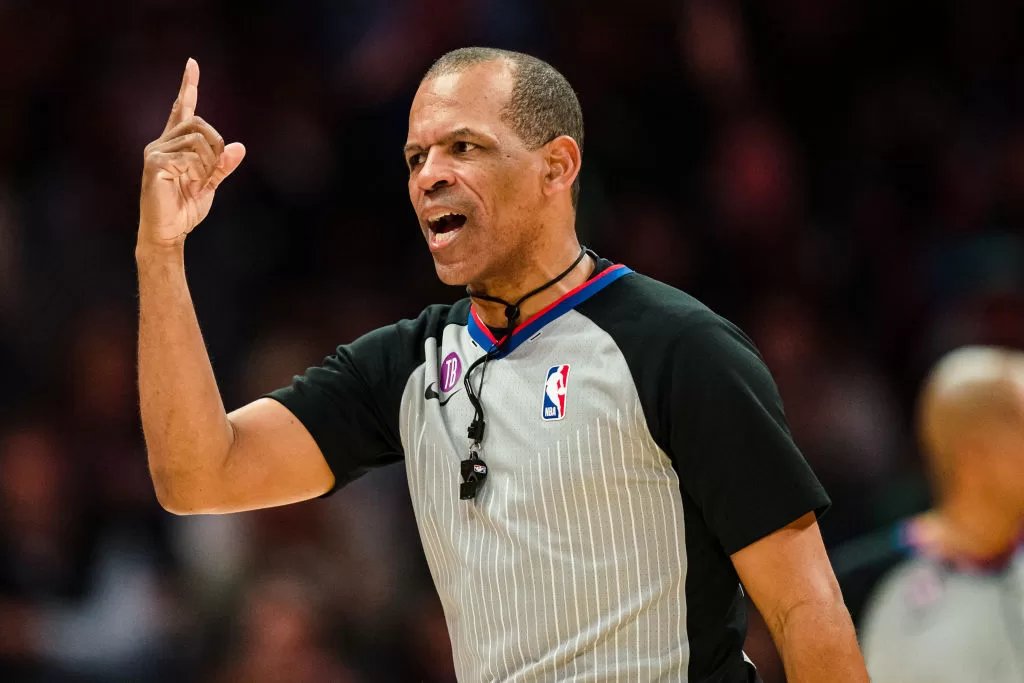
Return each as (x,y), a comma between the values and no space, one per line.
(790,580)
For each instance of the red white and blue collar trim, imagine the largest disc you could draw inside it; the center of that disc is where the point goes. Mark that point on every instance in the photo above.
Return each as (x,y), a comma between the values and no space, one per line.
(482,335)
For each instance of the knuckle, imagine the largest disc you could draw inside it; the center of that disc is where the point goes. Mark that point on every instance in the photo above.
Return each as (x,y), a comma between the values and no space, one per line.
(205,125)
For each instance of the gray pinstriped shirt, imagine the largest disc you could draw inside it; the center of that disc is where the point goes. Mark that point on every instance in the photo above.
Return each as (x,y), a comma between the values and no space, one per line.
(598,548)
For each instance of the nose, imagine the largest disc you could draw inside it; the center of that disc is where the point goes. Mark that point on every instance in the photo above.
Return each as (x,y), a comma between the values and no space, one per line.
(436,172)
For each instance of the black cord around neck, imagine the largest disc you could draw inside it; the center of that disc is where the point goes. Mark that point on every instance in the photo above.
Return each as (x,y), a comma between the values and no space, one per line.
(512,310)
(474,470)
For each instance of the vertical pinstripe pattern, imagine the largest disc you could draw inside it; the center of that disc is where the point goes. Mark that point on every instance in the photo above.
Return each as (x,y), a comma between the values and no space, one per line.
(535,579)
(614,520)
(480,590)
(446,503)
(515,606)
(442,486)
(571,563)
(632,514)
(583,574)
(467,588)
(651,565)
(676,551)
(551,553)
(603,535)
(500,591)
(675,509)
(572,599)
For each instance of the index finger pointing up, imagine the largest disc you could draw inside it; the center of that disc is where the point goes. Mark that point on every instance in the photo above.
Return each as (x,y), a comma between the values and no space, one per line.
(185,106)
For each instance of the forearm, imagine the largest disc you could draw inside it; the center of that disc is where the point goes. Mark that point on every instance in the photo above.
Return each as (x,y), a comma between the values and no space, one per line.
(818,644)
(187,432)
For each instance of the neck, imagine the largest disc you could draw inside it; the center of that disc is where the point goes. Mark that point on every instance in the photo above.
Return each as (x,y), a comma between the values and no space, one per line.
(977,529)
(547,265)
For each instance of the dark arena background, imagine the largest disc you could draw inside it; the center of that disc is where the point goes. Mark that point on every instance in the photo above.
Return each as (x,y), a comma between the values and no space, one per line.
(844,179)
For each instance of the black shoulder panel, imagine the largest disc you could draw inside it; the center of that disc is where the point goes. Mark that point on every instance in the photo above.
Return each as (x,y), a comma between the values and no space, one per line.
(350,403)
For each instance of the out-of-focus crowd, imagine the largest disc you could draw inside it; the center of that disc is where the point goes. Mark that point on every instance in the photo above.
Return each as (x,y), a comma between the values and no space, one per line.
(842,178)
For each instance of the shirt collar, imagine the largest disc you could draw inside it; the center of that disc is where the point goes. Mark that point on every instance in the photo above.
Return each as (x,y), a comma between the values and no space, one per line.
(604,274)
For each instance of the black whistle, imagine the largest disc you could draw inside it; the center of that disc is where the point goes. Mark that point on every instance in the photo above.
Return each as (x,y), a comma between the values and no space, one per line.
(474,472)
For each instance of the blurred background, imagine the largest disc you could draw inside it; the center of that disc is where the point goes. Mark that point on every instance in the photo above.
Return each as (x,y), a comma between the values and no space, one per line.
(842,178)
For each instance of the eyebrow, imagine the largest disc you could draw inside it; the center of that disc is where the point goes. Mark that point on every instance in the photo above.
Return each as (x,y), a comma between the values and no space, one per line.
(457,133)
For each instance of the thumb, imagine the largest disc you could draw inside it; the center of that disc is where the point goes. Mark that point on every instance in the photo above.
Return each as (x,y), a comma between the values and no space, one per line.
(229,160)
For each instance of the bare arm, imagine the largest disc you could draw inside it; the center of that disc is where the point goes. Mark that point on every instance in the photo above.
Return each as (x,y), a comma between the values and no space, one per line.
(790,580)
(200,458)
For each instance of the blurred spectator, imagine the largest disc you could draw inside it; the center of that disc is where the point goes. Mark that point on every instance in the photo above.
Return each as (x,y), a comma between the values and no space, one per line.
(78,597)
(939,596)
(280,638)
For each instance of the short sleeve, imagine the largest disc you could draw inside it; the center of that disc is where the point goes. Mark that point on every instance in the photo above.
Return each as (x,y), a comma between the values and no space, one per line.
(350,403)
(729,439)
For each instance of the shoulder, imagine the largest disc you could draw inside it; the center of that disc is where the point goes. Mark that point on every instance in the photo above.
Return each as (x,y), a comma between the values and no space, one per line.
(687,361)
(432,320)
(864,565)
(408,335)
(638,300)
(677,348)
(645,315)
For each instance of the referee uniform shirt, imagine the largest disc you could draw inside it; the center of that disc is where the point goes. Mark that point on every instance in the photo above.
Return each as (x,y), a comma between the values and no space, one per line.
(634,441)
(923,619)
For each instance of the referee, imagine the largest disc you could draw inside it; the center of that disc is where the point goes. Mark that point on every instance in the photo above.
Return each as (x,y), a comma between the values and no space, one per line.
(596,460)
(939,597)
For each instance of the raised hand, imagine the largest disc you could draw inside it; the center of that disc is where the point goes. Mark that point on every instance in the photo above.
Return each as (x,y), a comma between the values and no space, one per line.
(182,170)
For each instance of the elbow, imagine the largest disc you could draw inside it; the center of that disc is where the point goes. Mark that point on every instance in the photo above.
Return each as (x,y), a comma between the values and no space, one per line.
(177,492)
(823,601)
(172,504)
(170,496)
(185,480)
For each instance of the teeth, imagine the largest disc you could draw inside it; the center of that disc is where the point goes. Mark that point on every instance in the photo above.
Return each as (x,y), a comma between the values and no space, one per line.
(444,237)
(437,218)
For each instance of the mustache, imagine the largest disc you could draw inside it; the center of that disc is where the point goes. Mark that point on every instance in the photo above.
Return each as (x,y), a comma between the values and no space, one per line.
(445,195)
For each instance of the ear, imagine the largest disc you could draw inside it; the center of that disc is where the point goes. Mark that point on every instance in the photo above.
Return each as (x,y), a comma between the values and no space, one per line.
(563,159)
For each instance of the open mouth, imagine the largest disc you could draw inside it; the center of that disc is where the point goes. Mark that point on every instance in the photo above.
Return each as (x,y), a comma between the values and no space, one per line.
(447,223)
(444,227)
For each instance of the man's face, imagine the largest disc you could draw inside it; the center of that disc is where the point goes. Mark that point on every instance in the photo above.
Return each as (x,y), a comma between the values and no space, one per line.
(474,185)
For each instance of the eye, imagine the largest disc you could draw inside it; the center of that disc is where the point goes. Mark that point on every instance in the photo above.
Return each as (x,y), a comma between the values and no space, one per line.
(415,160)
(461,147)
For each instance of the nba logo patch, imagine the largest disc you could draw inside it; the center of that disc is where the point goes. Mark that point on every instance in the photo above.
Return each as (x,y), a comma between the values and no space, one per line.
(555,386)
